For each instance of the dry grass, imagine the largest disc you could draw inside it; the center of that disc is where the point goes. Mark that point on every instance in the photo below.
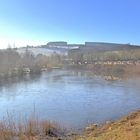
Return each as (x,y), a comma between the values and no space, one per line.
(127,128)
(29,130)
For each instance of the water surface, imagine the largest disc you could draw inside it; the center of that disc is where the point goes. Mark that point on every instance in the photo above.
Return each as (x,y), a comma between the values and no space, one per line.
(71,98)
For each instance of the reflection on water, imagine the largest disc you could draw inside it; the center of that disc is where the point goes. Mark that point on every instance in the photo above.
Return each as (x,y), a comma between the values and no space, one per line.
(72,98)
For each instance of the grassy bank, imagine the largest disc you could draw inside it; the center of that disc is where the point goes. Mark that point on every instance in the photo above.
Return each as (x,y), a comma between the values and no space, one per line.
(126,128)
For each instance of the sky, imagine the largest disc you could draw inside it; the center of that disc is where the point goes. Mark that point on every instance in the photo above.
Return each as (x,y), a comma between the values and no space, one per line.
(36,22)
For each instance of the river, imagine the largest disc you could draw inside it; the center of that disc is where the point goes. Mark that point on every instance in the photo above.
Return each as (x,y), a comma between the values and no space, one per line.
(71,98)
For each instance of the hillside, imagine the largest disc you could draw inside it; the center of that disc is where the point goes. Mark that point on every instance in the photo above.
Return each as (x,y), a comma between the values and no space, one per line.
(63,48)
(100,47)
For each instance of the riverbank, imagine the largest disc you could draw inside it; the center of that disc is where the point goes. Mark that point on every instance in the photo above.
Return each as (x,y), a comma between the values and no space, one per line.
(126,128)
(23,72)
(32,130)
(121,71)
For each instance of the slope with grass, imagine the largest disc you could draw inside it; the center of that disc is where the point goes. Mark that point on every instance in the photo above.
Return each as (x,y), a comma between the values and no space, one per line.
(127,128)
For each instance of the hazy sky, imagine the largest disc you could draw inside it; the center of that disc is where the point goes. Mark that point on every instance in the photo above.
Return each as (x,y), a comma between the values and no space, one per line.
(38,21)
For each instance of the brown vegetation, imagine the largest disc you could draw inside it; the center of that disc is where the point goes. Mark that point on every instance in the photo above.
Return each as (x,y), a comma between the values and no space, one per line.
(12,63)
(127,128)
(30,130)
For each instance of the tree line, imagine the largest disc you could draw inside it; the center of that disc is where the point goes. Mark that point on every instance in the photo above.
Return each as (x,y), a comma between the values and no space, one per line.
(11,62)
(122,55)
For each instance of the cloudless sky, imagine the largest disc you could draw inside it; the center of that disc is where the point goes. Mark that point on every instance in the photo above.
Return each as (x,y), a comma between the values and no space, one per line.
(38,21)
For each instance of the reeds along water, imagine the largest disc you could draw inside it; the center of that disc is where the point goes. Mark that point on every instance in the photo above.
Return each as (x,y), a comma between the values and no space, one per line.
(28,129)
